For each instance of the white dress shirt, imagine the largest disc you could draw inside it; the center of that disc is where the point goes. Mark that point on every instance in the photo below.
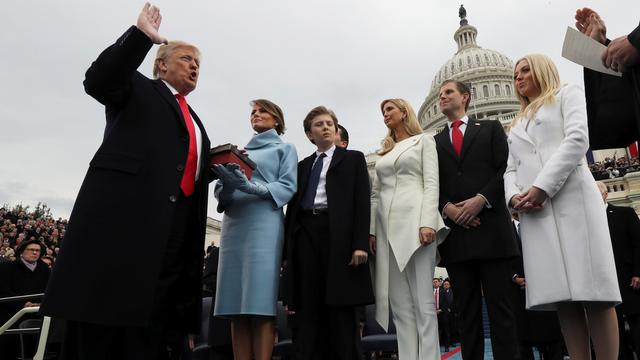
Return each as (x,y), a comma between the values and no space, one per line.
(195,126)
(320,202)
(462,127)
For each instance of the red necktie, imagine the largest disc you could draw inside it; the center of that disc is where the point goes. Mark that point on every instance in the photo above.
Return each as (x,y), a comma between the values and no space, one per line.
(189,176)
(437,298)
(456,136)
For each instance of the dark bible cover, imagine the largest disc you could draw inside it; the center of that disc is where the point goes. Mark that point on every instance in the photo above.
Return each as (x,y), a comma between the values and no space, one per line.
(228,153)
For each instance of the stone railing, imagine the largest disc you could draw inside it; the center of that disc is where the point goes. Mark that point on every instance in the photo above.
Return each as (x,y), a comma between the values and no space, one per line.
(507,117)
(625,190)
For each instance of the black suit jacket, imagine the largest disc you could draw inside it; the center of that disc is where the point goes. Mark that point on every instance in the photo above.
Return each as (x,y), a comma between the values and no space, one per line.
(108,266)
(624,228)
(479,169)
(445,300)
(347,186)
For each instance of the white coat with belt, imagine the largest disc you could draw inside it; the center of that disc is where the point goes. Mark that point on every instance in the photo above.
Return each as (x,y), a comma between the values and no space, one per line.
(566,246)
(404,198)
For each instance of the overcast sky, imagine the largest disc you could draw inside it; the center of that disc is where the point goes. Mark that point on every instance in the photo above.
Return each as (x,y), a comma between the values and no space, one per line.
(345,54)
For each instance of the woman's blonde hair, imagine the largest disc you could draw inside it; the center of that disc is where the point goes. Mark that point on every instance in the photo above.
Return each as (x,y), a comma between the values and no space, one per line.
(409,121)
(546,78)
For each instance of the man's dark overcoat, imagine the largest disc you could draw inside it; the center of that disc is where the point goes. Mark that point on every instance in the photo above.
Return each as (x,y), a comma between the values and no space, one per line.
(109,263)
(347,186)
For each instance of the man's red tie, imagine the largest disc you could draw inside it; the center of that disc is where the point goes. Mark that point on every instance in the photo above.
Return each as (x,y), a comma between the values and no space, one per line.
(456,136)
(189,176)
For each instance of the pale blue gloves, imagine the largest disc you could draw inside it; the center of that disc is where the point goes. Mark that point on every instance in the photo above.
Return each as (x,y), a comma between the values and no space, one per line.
(233,178)
(226,174)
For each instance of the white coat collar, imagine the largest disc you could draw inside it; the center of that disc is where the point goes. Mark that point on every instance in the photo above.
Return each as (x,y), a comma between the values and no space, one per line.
(402,146)
(520,131)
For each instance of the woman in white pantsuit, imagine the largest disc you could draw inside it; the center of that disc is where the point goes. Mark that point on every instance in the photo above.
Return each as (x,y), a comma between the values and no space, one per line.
(566,246)
(405,230)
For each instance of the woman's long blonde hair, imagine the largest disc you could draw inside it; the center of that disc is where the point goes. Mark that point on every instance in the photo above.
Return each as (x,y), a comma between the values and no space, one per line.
(546,78)
(409,121)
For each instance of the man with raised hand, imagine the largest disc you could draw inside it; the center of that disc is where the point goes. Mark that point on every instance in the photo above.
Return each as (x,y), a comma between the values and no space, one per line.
(150,172)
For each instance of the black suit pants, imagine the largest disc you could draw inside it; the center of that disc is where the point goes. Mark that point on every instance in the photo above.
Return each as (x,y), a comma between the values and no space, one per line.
(164,338)
(471,279)
(323,331)
(445,328)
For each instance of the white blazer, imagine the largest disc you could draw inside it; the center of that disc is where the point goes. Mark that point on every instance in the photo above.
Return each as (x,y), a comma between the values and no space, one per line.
(404,198)
(566,246)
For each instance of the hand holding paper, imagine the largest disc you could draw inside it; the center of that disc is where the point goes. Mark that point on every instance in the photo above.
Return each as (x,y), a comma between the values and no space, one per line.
(585,51)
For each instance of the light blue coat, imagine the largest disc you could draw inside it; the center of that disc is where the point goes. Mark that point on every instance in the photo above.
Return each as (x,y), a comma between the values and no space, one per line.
(253,231)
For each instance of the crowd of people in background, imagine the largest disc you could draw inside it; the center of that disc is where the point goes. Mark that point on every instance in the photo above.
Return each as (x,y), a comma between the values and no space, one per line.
(29,243)
(19,223)
(611,168)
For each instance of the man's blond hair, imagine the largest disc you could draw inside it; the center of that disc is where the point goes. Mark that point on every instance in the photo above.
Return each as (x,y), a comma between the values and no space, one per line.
(165,50)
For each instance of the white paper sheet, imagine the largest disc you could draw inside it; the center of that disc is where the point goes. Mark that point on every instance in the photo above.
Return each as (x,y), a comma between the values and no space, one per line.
(584,51)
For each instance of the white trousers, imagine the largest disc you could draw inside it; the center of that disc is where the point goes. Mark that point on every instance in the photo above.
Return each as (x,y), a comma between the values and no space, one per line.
(413,305)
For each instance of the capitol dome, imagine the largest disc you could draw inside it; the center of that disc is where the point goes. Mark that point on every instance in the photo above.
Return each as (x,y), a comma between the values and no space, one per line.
(488,73)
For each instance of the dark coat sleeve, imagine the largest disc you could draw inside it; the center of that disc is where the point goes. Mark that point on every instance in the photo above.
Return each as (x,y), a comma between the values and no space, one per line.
(633,229)
(362,199)
(613,112)
(494,189)
(444,196)
(108,80)
(634,37)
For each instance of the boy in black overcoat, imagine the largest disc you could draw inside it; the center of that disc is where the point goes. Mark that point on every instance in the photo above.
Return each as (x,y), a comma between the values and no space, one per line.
(327,227)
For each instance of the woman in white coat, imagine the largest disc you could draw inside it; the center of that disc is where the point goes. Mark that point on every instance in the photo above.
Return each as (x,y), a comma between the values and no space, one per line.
(405,230)
(566,246)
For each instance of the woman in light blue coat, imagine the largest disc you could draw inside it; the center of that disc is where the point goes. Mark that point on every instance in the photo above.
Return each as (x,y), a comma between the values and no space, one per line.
(253,233)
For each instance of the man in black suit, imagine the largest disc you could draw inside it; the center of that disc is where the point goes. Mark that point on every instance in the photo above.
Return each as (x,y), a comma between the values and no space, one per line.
(444,308)
(472,157)
(150,170)
(327,231)
(624,228)
(27,275)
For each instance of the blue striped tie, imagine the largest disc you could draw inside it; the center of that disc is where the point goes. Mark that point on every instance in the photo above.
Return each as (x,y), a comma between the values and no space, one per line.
(312,186)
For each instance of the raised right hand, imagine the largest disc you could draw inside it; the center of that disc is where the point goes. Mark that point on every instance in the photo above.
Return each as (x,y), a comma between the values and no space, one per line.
(149,22)
(589,23)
